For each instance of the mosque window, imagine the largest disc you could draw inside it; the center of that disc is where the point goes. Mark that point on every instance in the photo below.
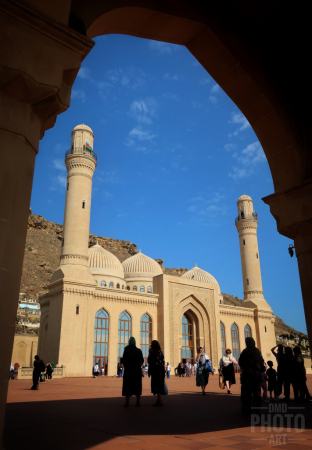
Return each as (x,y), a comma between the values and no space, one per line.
(124,332)
(123,287)
(103,283)
(247,331)
(145,335)
(77,309)
(96,281)
(67,186)
(142,289)
(63,242)
(187,340)
(244,241)
(149,289)
(235,343)
(111,284)
(257,255)
(100,348)
(128,288)
(83,204)
(135,288)
(265,328)
(247,282)
(118,286)
(223,342)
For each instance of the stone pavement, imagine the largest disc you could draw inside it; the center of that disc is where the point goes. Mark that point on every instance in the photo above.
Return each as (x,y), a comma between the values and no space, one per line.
(87,413)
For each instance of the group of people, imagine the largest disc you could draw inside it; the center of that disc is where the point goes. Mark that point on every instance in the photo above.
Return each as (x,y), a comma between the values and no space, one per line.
(258,375)
(186,369)
(41,370)
(132,378)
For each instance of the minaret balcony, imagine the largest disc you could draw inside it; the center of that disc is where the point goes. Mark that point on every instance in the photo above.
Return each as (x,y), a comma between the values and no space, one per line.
(244,216)
(81,151)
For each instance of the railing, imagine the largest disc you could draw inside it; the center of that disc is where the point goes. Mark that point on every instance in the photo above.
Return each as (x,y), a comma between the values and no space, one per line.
(82,151)
(246,216)
(27,372)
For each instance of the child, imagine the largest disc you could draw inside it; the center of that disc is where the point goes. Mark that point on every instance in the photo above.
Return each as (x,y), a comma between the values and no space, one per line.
(263,383)
(271,373)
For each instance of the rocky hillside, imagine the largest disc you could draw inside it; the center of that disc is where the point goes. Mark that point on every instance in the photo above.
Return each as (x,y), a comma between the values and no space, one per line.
(43,249)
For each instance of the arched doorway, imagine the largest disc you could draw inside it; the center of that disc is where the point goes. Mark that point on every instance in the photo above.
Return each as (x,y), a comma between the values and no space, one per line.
(145,335)
(187,350)
(100,347)
(124,333)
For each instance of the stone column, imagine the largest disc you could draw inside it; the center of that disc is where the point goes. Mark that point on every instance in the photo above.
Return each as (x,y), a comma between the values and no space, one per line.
(292,210)
(39,62)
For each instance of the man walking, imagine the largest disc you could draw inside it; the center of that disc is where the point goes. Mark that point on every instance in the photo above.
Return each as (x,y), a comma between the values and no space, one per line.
(38,368)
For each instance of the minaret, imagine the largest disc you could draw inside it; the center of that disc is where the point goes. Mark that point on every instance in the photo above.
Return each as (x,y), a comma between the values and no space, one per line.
(246,224)
(80,163)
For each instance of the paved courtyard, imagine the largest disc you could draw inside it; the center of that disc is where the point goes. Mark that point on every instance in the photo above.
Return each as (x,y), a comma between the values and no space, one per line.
(86,413)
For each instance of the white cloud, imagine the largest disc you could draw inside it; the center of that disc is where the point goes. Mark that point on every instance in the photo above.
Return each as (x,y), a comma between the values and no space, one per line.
(142,135)
(239,119)
(107,195)
(215,89)
(130,78)
(196,104)
(160,47)
(79,94)
(59,164)
(175,77)
(169,96)
(204,81)
(230,147)
(213,99)
(143,110)
(109,177)
(249,159)
(84,73)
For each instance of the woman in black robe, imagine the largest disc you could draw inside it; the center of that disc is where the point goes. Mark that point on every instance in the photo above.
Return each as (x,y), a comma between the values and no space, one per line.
(156,368)
(132,379)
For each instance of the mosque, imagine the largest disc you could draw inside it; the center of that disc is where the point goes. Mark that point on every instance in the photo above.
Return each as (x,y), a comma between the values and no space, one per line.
(95,303)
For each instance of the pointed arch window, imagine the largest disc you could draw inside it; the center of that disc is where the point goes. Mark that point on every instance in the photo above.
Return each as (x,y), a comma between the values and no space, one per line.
(103,283)
(118,286)
(111,284)
(142,289)
(223,342)
(135,288)
(247,331)
(100,347)
(149,289)
(145,335)
(235,342)
(124,332)
(187,340)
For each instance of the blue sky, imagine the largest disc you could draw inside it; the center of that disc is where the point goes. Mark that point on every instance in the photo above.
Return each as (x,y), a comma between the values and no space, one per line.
(174,154)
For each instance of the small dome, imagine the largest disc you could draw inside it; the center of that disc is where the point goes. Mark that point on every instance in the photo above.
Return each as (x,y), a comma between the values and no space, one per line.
(198,274)
(244,197)
(102,262)
(142,266)
(83,127)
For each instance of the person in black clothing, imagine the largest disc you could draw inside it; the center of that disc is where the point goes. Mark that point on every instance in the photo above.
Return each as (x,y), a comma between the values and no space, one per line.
(38,368)
(132,379)
(281,370)
(156,368)
(289,372)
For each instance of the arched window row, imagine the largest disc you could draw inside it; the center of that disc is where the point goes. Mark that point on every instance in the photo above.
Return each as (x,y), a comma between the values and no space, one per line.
(135,288)
(235,342)
(101,334)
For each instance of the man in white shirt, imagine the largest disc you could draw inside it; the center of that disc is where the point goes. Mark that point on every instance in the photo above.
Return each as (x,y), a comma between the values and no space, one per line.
(168,370)
(96,370)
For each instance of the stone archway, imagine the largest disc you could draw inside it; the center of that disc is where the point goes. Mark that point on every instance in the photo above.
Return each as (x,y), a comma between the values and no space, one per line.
(204,328)
(252,67)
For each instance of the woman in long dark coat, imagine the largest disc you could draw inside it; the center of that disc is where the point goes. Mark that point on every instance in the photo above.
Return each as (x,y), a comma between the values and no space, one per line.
(132,379)
(156,368)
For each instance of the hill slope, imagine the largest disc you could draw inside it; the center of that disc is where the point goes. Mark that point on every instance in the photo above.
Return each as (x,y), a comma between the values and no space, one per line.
(42,254)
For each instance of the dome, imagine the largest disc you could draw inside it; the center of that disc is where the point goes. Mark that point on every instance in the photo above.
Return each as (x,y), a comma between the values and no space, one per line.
(83,127)
(142,266)
(102,262)
(244,197)
(198,274)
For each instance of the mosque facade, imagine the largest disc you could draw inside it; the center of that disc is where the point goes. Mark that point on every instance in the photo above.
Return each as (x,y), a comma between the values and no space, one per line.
(95,303)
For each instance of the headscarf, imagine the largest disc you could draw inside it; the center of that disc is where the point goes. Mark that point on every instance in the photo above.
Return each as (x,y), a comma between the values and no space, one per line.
(132,341)
(203,357)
